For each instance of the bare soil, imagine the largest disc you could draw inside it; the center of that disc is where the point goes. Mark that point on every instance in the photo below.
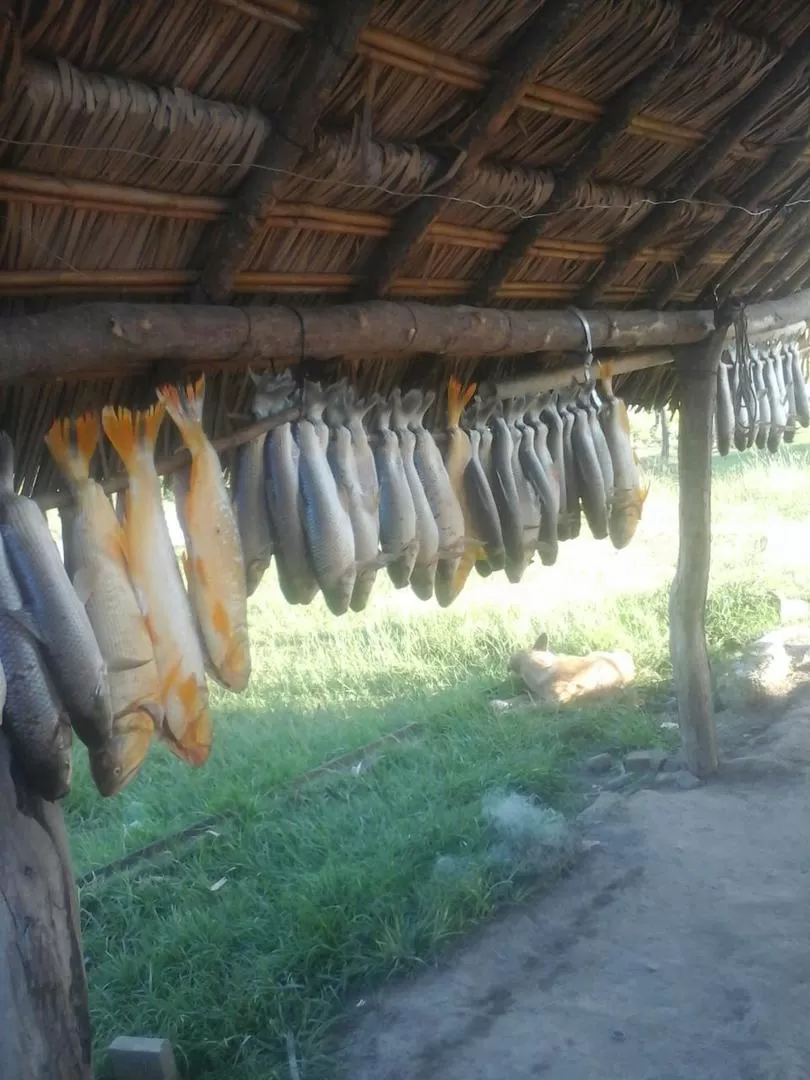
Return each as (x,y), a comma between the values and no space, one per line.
(678,948)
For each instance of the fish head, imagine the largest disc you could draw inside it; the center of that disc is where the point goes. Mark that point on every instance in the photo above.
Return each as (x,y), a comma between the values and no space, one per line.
(115,764)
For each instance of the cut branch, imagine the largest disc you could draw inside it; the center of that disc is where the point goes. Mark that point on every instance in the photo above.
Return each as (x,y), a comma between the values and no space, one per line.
(737,124)
(752,192)
(696,367)
(515,75)
(88,340)
(586,162)
(330,54)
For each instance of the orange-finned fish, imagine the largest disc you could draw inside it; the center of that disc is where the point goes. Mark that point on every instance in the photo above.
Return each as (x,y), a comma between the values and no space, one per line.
(215,565)
(98,566)
(457,458)
(628,492)
(159,587)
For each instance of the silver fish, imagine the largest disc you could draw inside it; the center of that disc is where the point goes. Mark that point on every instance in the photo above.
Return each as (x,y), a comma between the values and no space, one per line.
(628,494)
(763,402)
(480,499)
(248,487)
(787,379)
(507,498)
(296,576)
(799,387)
(326,519)
(442,499)
(397,514)
(405,411)
(724,410)
(777,401)
(554,424)
(590,479)
(541,472)
(53,611)
(361,504)
(572,511)
(594,407)
(36,722)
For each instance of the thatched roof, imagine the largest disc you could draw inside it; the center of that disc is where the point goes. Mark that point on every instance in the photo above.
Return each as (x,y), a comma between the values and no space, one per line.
(509,152)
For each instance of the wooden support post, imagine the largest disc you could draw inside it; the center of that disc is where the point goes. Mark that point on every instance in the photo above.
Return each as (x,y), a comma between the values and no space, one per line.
(696,366)
(44,1016)
(664,419)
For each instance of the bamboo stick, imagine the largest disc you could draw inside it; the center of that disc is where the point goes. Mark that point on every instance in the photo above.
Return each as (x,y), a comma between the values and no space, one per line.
(39,189)
(416,59)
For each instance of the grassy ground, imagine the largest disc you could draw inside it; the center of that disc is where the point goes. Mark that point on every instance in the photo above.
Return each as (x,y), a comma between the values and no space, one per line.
(323,893)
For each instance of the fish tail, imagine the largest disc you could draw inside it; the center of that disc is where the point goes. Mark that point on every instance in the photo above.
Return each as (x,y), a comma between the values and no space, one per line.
(131,432)
(6,463)
(72,444)
(458,398)
(314,401)
(184,405)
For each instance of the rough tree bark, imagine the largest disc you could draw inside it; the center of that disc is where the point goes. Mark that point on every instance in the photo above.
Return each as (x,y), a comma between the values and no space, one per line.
(697,369)
(44,1017)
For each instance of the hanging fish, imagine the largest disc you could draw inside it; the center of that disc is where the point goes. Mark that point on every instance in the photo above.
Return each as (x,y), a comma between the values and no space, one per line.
(555,427)
(457,457)
(594,407)
(542,474)
(724,409)
(252,517)
(326,520)
(572,515)
(478,490)
(396,475)
(628,493)
(101,578)
(361,504)
(739,407)
(776,403)
(282,459)
(159,587)
(763,402)
(799,388)
(442,499)
(407,412)
(33,717)
(523,436)
(506,495)
(67,517)
(214,561)
(356,412)
(590,479)
(53,613)
(790,393)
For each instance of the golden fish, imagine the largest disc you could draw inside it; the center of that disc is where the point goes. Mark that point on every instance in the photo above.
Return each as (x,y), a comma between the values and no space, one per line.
(159,587)
(215,565)
(457,458)
(98,564)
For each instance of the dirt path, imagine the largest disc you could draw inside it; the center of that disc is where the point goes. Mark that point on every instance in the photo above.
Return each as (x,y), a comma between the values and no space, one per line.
(679,949)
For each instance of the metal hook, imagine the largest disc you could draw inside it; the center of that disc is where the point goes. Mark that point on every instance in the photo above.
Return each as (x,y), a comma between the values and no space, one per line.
(588,351)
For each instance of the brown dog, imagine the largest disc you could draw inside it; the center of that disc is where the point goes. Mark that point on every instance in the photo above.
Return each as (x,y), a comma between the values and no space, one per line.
(560,678)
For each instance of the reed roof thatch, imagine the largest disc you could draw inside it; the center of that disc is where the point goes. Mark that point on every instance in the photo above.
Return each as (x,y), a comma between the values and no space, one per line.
(622,153)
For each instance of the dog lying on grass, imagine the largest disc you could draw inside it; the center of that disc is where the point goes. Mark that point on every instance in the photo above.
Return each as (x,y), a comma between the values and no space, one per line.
(560,678)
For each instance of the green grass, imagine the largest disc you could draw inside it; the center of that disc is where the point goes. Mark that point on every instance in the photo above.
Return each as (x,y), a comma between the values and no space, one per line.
(335,889)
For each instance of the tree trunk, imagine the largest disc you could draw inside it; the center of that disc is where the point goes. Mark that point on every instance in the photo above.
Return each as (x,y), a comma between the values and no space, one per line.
(691,671)
(44,1017)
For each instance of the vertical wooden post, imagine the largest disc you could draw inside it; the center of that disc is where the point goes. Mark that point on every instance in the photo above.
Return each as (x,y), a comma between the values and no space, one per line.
(662,414)
(696,366)
(44,1016)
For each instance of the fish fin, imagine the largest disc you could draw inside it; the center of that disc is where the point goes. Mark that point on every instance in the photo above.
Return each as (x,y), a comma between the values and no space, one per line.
(126,664)
(24,620)
(72,444)
(6,463)
(83,584)
(458,398)
(132,432)
(184,405)
(220,620)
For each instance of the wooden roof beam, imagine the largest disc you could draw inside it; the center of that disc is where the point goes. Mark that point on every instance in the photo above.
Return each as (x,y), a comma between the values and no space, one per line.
(331,51)
(613,122)
(516,73)
(787,271)
(738,122)
(755,189)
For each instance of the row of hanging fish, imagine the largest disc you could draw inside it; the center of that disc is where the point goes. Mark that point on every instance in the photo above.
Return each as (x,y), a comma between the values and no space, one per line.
(353,487)
(760,399)
(110,643)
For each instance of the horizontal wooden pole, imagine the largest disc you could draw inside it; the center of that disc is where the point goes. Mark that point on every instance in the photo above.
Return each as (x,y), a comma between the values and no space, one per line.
(409,56)
(541,381)
(43,190)
(85,340)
